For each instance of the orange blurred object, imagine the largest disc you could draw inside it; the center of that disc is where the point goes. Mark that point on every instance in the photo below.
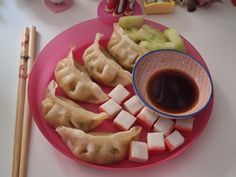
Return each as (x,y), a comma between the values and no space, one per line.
(158,7)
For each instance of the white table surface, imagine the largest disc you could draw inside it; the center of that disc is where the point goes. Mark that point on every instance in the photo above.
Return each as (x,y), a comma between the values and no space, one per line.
(211,31)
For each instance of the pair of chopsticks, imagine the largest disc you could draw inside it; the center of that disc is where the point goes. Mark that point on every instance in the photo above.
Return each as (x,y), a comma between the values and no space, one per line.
(23,119)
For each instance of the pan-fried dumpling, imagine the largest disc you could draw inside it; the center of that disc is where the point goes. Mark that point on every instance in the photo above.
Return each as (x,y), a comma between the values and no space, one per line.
(123,49)
(99,148)
(102,68)
(59,111)
(76,83)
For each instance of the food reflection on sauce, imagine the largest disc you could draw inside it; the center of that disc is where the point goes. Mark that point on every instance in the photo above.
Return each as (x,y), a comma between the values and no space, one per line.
(172,91)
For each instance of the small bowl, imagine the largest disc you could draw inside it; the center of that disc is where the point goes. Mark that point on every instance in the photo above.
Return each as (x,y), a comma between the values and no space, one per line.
(158,60)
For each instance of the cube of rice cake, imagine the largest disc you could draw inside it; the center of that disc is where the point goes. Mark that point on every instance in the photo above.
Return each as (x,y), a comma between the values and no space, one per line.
(184,126)
(133,105)
(174,140)
(111,107)
(164,125)
(138,152)
(155,142)
(147,117)
(124,120)
(119,94)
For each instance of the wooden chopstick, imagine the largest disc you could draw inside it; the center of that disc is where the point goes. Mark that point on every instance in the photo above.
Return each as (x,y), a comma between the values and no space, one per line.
(20,102)
(23,121)
(26,119)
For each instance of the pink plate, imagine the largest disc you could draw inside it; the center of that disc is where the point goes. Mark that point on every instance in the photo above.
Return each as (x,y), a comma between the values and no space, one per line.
(56,8)
(82,35)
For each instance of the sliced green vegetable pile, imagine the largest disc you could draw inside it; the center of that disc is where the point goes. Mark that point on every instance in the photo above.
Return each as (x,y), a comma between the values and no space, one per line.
(149,37)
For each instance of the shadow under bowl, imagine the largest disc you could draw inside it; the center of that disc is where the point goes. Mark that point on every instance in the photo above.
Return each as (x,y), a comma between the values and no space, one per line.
(159,60)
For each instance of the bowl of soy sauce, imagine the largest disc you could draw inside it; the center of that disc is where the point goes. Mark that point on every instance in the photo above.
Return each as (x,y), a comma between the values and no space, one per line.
(171,83)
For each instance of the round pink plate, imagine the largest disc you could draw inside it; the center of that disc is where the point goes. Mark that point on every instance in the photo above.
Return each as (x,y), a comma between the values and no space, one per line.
(81,36)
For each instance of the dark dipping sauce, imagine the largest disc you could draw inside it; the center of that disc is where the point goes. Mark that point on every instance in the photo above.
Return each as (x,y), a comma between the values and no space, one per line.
(172,91)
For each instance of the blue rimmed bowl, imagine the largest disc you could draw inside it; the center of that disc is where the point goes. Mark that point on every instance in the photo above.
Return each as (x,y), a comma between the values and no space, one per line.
(159,60)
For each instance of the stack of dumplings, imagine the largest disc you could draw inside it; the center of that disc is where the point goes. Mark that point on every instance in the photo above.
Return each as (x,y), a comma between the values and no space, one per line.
(74,80)
(102,67)
(80,84)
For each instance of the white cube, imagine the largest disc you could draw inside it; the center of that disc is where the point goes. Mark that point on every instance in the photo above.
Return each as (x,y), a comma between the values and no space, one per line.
(185,126)
(111,107)
(174,140)
(119,94)
(138,152)
(156,142)
(147,117)
(133,105)
(124,120)
(166,126)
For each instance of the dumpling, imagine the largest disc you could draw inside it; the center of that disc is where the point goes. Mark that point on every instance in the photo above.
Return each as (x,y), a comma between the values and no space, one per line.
(102,68)
(59,111)
(99,148)
(124,49)
(76,83)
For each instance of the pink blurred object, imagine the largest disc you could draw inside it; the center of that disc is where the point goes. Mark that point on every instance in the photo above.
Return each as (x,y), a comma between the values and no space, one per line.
(130,7)
(233,2)
(58,7)
(110,5)
(119,8)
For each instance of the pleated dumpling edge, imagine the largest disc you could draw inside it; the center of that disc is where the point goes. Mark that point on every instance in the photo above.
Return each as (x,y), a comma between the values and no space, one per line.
(74,80)
(102,67)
